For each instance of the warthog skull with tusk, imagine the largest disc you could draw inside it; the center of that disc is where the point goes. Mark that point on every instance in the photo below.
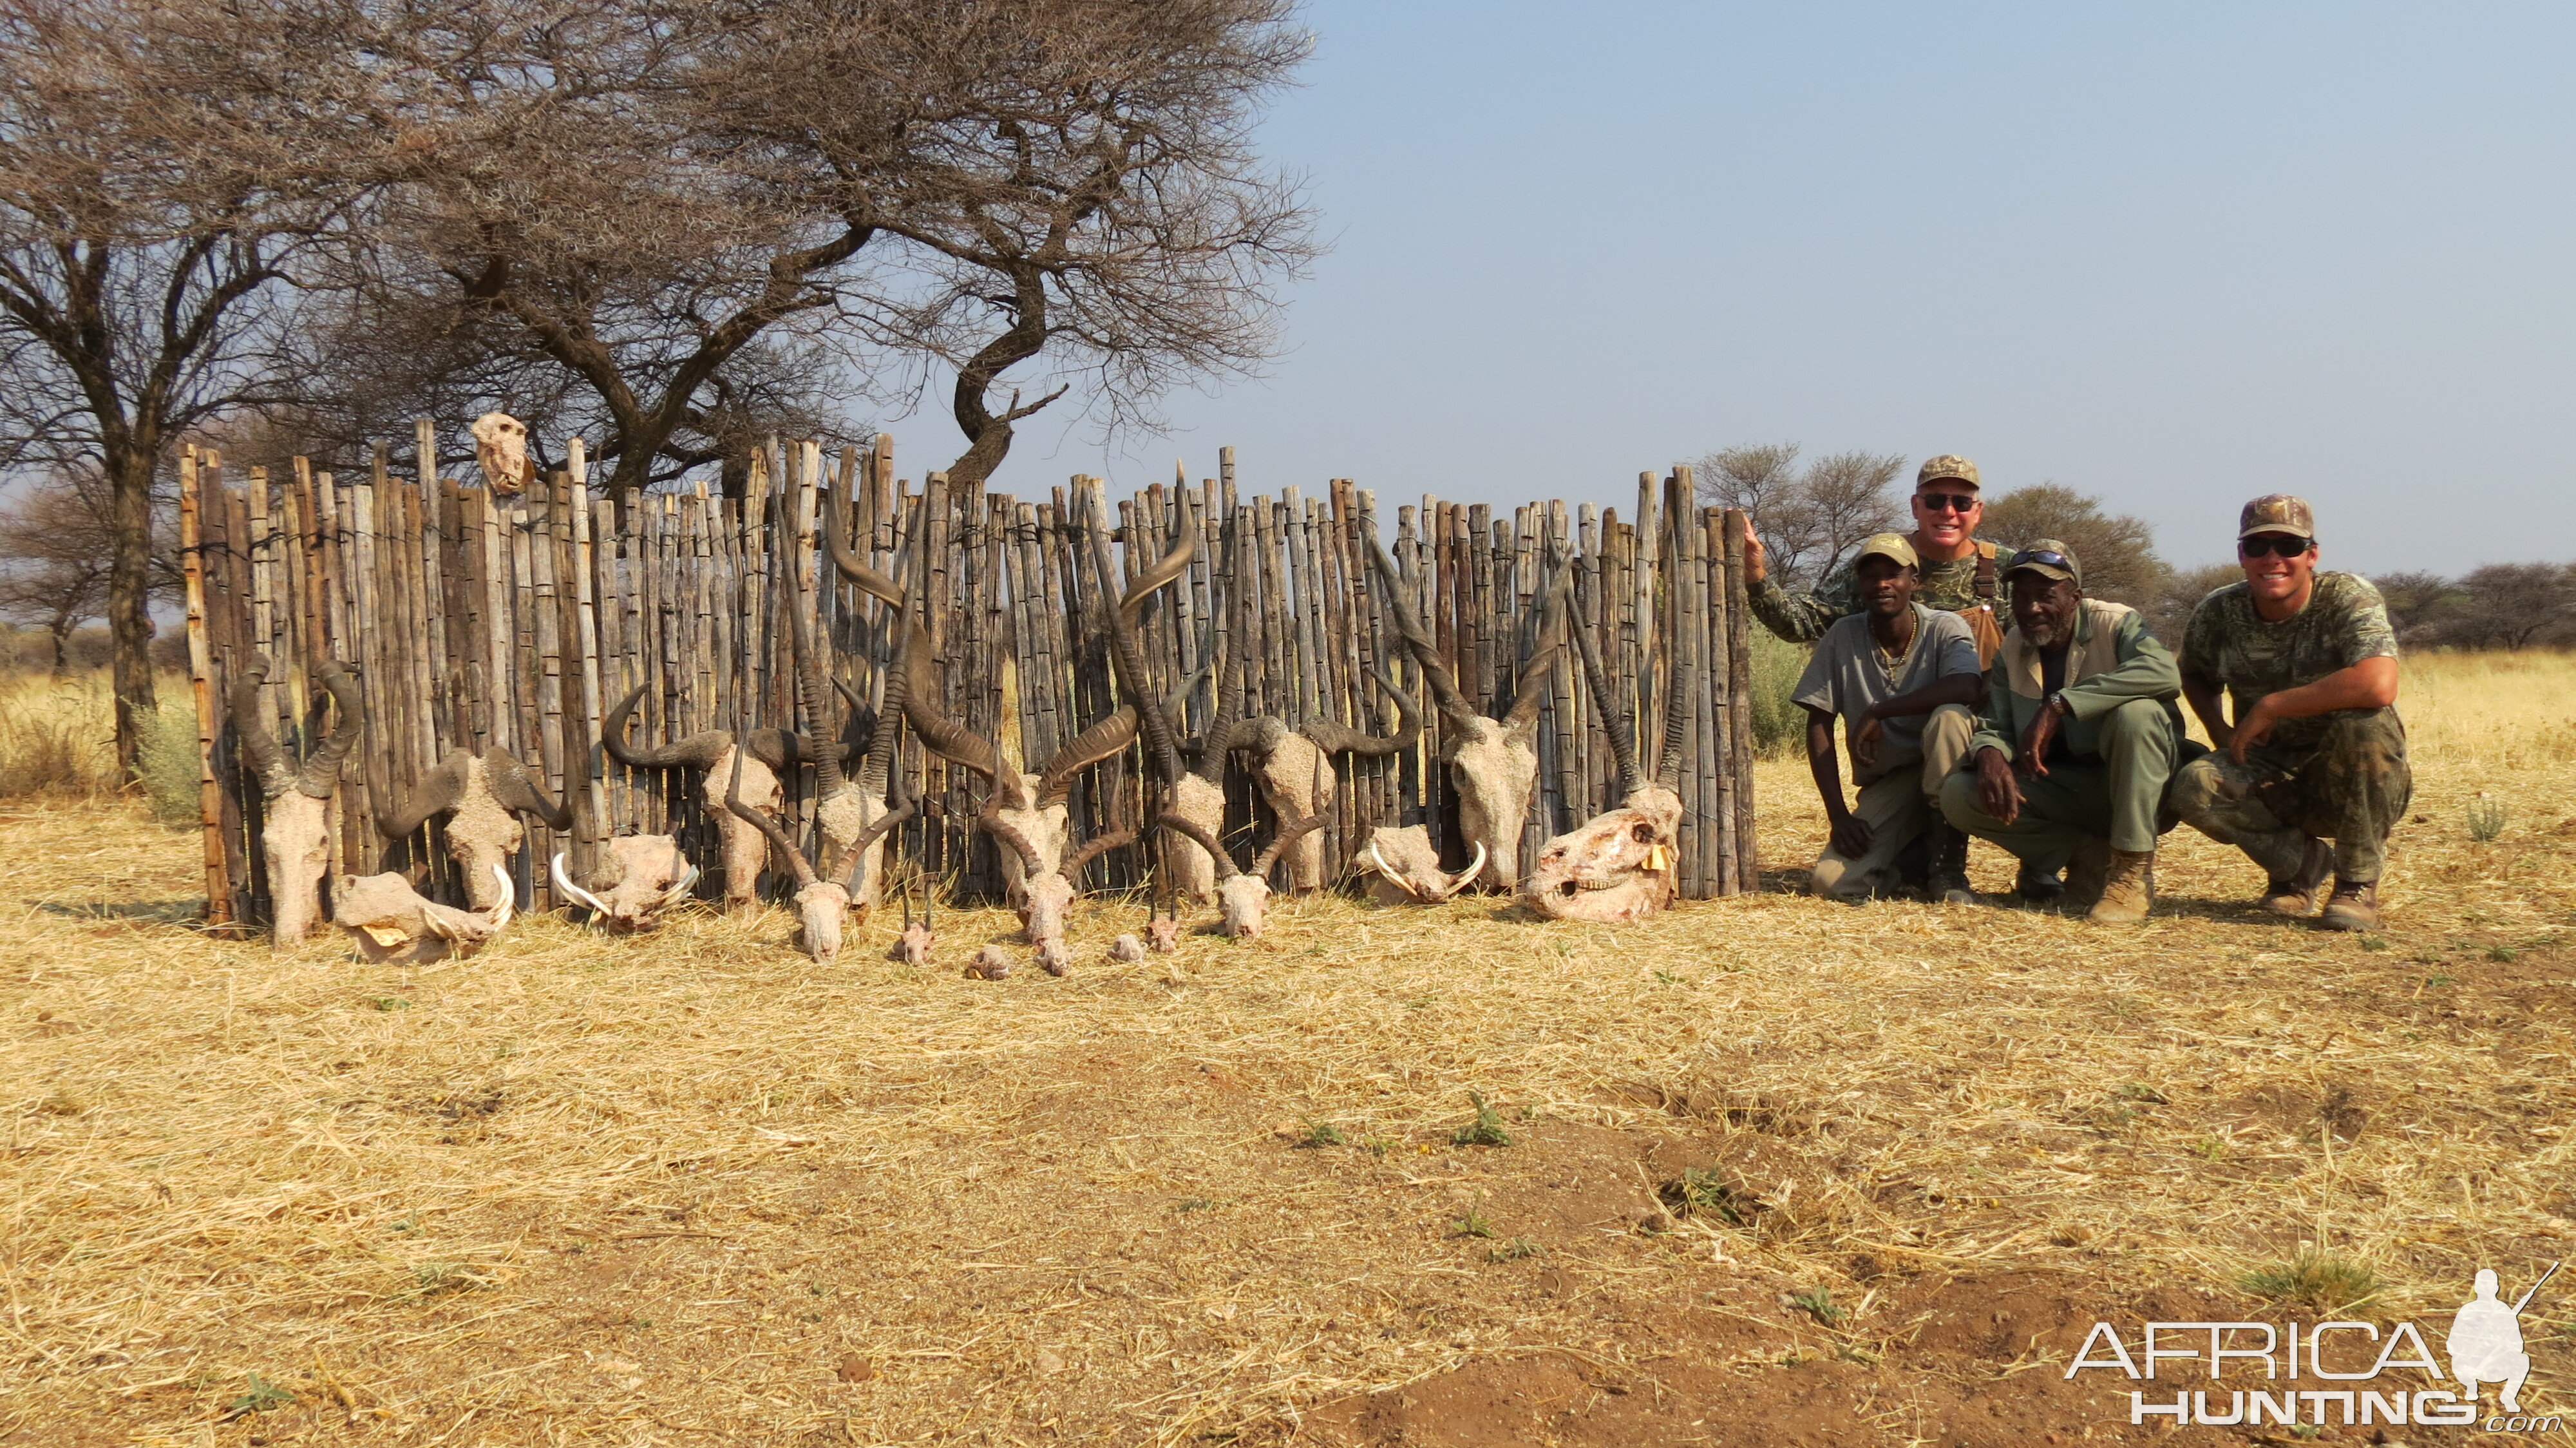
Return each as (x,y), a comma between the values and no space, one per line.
(391,922)
(1408,867)
(637,878)
(295,839)
(1621,865)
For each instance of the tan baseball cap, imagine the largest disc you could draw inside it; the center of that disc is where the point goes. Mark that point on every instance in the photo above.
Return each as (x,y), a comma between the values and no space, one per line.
(1895,546)
(2048,558)
(2277,513)
(1949,466)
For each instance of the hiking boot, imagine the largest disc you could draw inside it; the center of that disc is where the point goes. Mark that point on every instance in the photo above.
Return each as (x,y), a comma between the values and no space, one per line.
(1949,882)
(2038,886)
(2352,907)
(2087,870)
(2297,895)
(2129,890)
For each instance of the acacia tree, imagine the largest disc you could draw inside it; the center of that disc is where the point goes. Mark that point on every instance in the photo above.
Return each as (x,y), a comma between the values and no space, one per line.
(1807,517)
(2118,551)
(157,188)
(57,547)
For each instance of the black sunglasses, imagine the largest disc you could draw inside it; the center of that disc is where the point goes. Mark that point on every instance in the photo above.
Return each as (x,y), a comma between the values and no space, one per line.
(2048,556)
(1952,502)
(2278,544)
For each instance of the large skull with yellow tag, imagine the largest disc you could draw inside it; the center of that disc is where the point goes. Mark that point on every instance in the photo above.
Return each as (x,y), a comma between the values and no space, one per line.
(1616,867)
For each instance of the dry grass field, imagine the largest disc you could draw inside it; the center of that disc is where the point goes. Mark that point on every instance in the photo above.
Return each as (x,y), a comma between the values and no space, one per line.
(1763,1171)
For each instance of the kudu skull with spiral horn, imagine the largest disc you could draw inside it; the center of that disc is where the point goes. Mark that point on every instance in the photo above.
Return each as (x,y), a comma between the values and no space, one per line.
(295,838)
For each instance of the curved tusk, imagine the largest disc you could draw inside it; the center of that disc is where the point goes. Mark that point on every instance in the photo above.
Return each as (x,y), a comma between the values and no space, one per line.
(1388,871)
(687,883)
(509,897)
(563,882)
(1467,877)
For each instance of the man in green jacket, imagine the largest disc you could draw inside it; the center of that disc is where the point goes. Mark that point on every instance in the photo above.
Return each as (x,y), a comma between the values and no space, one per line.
(2080,737)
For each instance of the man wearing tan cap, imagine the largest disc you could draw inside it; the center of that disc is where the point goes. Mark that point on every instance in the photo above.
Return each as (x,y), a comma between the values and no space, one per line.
(2078,742)
(1901,677)
(1958,571)
(2315,750)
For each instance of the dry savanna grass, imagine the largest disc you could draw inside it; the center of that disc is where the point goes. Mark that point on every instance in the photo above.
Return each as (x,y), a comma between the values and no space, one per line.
(1760,1171)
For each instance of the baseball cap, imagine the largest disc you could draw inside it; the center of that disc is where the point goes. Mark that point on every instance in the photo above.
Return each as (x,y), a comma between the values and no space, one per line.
(1893,546)
(2049,558)
(2277,513)
(1949,466)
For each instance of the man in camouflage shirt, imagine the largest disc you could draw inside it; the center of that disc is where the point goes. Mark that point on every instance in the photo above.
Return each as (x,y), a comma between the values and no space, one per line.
(2315,750)
(1947,508)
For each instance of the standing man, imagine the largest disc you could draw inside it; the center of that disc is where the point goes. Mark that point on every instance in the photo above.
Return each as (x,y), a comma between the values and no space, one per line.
(2078,742)
(2315,750)
(1901,677)
(1958,572)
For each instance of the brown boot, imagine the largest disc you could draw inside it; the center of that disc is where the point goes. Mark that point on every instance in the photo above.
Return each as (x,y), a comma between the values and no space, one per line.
(2129,891)
(2087,871)
(2351,907)
(2297,895)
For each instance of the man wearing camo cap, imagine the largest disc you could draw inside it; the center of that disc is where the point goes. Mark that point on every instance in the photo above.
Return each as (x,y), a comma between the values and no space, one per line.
(2314,750)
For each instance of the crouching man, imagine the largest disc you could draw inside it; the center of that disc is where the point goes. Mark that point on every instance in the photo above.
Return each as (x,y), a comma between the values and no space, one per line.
(2078,743)
(1902,678)
(2315,750)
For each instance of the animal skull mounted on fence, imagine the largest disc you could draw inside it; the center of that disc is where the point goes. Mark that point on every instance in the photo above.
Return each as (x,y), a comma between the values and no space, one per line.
(1621,865)
(391,922)
(637,878)
(1494,761)
(482,798)
(295,838)
(501,450)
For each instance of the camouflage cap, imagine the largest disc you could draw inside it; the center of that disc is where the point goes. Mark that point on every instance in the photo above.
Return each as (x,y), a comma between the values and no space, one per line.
(2277,513)
(1894,546)
(2049,558)
(1949,466)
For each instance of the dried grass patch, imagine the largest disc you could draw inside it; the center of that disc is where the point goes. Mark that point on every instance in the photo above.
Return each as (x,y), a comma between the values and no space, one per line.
(696,1189)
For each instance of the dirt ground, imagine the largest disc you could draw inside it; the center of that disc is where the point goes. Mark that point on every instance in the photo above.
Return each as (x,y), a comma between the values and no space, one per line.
(1763,1171)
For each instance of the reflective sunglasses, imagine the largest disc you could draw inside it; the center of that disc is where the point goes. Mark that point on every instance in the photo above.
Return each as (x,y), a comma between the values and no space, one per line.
(2047,556)
(1947,502)
(2278,544)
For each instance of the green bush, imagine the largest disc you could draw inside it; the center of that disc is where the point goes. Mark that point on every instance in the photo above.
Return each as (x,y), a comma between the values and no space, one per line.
(1779,726)
(167,766)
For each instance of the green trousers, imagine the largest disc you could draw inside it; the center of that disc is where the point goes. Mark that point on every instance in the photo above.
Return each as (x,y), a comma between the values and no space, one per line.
(2352,788)
(2112,787)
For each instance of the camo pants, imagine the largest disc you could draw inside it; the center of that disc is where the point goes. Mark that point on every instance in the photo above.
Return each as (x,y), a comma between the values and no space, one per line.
(2352,788)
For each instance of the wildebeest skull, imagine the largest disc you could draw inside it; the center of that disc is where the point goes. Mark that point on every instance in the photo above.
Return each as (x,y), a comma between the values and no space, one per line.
(482,798)
(501,450)
(392,922)
(294,840)
(1493,761)
(637,878)
(1408,867)
(1619,865)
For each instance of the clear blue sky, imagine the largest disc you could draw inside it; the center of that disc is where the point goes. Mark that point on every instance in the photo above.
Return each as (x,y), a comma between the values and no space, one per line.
(2177,255)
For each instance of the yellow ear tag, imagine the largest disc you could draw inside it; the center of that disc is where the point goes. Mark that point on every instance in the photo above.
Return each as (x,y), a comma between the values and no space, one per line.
(384,934)
(1659,858)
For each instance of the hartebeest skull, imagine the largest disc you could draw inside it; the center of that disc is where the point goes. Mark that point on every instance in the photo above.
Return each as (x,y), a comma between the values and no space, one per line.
(1494,761)
(391,922)
(1030,815)
(1408,867)
(295,838)
(501,450)
(482,798)
(1620,865)
(636,879)
(822,904)
(1243,896)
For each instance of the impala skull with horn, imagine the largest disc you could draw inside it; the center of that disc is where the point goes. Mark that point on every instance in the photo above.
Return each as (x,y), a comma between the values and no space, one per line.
(1030,815)
(1620,865)
(821,904)
(482,798)
(392,922)
(1493,760)
(846,806)
(295,839)
(633,881)
(1244,895)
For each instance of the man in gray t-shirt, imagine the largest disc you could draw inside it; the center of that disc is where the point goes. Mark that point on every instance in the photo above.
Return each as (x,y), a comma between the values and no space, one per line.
(1902,678)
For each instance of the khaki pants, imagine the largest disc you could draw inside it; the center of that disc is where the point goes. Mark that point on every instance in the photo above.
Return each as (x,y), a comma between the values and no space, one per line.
(1897,806)
(2352,788)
